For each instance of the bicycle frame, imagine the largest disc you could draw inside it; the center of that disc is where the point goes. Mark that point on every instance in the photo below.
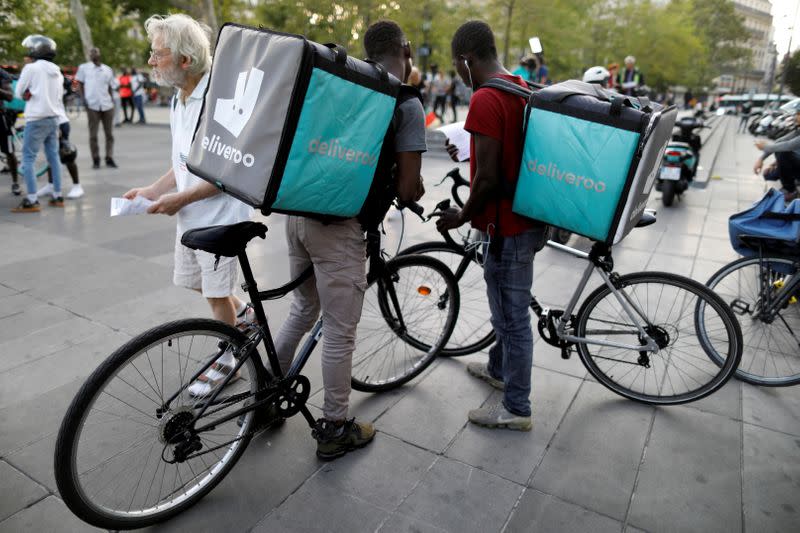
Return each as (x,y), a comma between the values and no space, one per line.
(774,303)
(599,261)
(261,333)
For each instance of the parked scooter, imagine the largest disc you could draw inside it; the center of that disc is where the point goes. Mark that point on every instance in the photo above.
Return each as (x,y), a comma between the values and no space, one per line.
(682,155)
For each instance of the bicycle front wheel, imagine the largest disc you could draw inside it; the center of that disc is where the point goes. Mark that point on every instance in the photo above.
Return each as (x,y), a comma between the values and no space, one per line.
(699,341)
(116,462)
(408,316)
(771,354)
(473,331)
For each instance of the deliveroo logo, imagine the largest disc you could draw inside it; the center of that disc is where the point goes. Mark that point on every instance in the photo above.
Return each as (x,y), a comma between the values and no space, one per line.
(233,114)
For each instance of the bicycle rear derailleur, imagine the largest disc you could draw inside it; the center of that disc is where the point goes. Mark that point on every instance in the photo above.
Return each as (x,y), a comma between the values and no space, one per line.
(548,330)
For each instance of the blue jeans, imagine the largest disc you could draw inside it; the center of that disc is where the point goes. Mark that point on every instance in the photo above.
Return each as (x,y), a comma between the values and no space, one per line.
(38,132)
(509,279)
(138,101)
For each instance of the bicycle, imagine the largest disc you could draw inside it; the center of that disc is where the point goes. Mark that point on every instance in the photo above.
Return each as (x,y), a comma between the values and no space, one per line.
(764,292)
(73,105)
(654,317)
(40,166)
(135,448)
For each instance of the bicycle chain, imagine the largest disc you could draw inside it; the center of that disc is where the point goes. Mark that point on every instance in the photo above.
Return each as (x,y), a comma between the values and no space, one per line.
(250,433)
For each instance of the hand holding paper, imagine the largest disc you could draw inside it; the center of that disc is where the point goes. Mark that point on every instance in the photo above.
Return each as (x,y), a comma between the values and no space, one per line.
(458,137)
(123,206)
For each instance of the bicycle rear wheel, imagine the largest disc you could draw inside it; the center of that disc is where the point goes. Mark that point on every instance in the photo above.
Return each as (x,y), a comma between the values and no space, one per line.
(473,331)
(115,461)
(408,316)
(771,354)
(700,343)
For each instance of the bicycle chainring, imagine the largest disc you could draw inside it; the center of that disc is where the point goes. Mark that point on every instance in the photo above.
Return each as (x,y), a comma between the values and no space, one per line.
(293,395)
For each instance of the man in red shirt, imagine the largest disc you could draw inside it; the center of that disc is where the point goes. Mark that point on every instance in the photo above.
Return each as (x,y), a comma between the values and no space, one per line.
(495,122)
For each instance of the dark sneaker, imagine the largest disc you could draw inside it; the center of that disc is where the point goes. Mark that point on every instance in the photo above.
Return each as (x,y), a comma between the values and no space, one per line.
(57,201)
(15,190)
(110,163)
(481,371)
(334,440)
(27,207)
(96,163)
(498,416)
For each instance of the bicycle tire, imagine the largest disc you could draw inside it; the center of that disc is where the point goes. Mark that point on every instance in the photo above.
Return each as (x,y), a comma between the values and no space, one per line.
(71,455)
(710,373)
(427,293)
(739,285)
(476,333)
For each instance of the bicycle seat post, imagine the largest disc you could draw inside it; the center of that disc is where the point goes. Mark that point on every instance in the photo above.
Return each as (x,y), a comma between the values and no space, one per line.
(251,288)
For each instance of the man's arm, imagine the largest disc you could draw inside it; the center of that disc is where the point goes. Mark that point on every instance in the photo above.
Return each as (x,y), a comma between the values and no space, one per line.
(409,180)
(485,184)
(23,84)
(158,188)
(169,204)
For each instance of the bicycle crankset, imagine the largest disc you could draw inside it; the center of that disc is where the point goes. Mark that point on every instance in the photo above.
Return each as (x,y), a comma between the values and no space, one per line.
(293,395)
(548,330)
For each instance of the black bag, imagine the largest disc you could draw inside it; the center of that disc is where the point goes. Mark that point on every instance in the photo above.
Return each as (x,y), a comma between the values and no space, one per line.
(384,186)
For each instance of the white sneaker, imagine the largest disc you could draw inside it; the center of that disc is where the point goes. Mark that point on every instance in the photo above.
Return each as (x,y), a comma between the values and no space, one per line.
(45,190)
(75,192)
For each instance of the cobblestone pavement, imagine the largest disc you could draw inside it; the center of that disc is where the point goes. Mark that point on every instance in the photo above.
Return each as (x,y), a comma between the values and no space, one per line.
(75,284)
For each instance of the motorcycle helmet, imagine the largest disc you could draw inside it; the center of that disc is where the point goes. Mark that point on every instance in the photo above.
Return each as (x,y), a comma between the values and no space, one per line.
(39,47)
(67,152)
(597,75)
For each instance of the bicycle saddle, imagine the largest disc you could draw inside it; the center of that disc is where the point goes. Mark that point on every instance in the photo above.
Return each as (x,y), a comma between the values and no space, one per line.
(228,241)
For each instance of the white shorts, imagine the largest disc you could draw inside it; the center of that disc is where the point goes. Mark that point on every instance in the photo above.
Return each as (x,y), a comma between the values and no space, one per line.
(194,269)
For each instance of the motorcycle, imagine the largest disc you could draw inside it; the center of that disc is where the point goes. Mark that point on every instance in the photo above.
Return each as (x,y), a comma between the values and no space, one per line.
(681,158)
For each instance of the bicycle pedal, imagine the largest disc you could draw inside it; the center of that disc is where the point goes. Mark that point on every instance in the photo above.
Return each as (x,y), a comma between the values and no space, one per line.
(566,352)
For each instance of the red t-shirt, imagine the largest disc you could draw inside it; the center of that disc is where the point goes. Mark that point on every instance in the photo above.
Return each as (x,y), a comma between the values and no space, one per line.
(498,114)
(125,87)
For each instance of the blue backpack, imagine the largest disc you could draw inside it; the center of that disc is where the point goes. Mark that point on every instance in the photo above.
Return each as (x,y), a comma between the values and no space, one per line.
(769,224)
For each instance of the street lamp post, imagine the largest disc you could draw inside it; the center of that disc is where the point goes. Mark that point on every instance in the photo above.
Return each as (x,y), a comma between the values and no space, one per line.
(786,57)
(425,49)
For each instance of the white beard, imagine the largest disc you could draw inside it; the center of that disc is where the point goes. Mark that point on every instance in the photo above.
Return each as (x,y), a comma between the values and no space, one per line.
(173,78)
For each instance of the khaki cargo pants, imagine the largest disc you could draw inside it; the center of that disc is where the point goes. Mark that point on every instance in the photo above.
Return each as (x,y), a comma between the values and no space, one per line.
(338,253)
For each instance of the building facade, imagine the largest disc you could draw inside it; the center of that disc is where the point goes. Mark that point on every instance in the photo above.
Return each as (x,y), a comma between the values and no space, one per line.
(757,75)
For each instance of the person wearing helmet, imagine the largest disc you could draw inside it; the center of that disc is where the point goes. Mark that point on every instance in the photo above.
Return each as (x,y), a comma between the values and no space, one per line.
(631,78)
(597,75)
(41,85)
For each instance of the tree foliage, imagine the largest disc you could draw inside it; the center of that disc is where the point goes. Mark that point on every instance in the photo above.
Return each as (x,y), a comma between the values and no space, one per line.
(792,66)
(685,42)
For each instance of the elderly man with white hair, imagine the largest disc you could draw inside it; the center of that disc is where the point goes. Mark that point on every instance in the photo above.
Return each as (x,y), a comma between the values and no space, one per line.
(630,78)
(181,57)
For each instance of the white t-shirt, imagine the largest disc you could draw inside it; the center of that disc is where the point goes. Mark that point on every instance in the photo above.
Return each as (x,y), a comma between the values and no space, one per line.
(97,79)
(137,84)
(45,83)
(218,209)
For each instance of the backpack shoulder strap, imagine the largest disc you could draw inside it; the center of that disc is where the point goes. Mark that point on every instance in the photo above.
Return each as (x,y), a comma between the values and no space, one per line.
(509,87)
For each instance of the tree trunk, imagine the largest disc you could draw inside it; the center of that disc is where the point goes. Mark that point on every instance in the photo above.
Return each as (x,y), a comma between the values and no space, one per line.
(211,17)
(76,8)
(509,12)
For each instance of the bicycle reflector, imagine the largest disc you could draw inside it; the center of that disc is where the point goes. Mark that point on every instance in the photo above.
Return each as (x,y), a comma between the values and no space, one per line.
(424,290)
(779,285)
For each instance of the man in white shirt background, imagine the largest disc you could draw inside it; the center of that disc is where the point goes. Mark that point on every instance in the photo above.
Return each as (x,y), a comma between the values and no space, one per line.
(41,85)
(96,84)
(181,58)
(138,82)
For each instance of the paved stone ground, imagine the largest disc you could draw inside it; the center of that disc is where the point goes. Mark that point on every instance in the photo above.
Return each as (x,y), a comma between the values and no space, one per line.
(75,284)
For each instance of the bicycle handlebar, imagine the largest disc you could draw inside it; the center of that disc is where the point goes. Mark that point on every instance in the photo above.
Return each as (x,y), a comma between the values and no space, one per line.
(458,181)
(414,207)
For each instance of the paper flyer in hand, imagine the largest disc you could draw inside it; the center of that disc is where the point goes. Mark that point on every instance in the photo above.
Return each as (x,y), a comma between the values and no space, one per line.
(123,206)
(458,137)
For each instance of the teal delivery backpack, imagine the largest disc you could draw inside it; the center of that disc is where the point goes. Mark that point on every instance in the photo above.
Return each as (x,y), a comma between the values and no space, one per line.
(292,126)
(590,159)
